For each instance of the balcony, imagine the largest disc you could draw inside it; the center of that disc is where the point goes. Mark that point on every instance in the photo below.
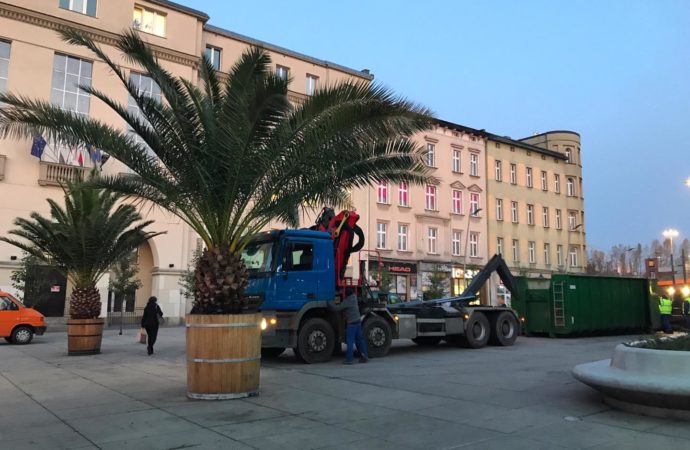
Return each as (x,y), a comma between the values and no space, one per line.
(52,174)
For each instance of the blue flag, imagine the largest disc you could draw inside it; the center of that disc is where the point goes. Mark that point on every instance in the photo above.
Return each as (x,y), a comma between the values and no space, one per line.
(95,153)
(38,146)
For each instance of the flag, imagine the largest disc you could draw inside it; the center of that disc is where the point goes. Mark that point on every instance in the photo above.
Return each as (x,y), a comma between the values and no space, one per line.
(94,153)
(38,146)
(80,157)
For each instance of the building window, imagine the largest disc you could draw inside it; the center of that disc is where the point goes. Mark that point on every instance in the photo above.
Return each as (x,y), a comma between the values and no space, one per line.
(213,56)
(573,256)
(149,21)
(572,220)
(528,177)
(474,245)
(403,194)
(382,192)
(282,72)
(474,169)
(456,161)
(455,243)
(559,222)
(457,201)
(514,212)
(498,170)
(567,154)
(547,254)
(531,252)
(430,203)
(570,187)
(544,181)
(516,250)
(146,87)
(559,255)
(499,209)
(4,65)
(381,229)
(432,233)
(430,155)
(474,203)
(499,245)
(513,174)
(68,74)
(87,7)
(557,183)
(530,214)
(402,237)
(545,216)
(312,80)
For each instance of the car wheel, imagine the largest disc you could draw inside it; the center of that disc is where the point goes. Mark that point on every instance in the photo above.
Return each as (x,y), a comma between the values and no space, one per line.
(378,336)
(315,341)
(22,335)
(504,329)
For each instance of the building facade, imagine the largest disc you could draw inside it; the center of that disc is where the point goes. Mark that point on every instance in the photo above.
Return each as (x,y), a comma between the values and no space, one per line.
(416,230)
(35,62)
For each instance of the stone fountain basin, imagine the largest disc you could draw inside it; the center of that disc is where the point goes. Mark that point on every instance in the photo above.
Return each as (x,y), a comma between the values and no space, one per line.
(642,380)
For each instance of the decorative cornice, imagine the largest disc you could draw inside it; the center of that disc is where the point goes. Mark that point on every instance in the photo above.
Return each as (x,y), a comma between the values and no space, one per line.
(457,185)
(474,188)
(101,36)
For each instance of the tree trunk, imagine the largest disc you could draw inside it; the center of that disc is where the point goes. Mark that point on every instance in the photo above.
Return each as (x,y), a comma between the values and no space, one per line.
(85,303)
(220,279)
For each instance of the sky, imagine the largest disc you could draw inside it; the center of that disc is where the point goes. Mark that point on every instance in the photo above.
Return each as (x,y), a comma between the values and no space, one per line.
(615,71)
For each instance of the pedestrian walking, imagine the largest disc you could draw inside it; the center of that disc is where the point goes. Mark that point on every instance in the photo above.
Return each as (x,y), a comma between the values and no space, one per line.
(354,332)
(150,321)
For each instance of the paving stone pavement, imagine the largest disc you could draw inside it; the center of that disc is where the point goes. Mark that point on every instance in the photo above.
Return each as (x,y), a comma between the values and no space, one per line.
(520,397)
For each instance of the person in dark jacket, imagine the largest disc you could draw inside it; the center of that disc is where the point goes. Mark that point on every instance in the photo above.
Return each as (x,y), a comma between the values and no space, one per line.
(150,321)
(354,326)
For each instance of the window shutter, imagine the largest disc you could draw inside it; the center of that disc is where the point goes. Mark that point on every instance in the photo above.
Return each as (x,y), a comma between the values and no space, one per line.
(90,7)
(64,4)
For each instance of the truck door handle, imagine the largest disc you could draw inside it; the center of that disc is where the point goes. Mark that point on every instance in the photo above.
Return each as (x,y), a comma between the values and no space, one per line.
(311,295)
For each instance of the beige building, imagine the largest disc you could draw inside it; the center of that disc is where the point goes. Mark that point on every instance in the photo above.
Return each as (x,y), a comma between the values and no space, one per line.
(35,62)
(535,202)
(416,229)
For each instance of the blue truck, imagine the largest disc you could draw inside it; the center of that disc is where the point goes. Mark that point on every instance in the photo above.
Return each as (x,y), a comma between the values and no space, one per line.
(293,272)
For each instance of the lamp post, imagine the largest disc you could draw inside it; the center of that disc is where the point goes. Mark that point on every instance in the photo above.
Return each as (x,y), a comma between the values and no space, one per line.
(467,240)
(567,255)
(626,253)
(670,234)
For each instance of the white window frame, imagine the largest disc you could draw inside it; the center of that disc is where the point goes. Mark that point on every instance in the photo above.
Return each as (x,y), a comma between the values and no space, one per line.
(430,197)
(403,188)
(311,84)
(498,170)
(544,181)
(559,219)
(211,55)
(457,166)
(532,252)
(432,240)
(155,14)
(456,201)
(474,203)
(455,242)
(382,196)
(69,82)
(430,154)
(568,154)
(516,250)
(149,88)
(557,183)
(559,255)
(545,216)
(499,209)
(5,66)
(381,235)
(282,72)
(547,254)
(572,220)
(513,174)
(474,165)
(573,255)
(528,177)
(474,244)
(499,245)
(530,214)
(570,186)
(514,212)
(403,230)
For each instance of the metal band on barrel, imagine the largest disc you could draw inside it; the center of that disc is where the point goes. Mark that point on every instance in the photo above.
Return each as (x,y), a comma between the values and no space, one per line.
(222,325)
(220,361)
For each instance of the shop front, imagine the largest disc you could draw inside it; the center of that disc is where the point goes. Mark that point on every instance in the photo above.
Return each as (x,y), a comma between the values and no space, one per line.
(401,277)
(427,271)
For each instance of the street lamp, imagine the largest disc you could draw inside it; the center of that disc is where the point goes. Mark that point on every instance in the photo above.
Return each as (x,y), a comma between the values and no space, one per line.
(467,240)
(670,234)
(625,257)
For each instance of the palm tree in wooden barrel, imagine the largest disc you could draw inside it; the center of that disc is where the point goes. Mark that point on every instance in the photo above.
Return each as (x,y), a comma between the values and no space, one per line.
(84,239)
(228,155)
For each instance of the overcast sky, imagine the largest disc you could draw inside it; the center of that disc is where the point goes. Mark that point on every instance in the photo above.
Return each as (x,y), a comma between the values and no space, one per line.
(617,72)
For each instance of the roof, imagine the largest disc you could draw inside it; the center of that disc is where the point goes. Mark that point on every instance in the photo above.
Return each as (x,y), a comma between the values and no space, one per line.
(285,51)
(550,132)
(177,7)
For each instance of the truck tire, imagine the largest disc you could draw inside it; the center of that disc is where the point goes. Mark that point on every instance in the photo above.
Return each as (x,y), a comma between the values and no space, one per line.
(22,335)
(427,341)
(477,332)
(271,352)
(504,329)
(315,341)
(378,336)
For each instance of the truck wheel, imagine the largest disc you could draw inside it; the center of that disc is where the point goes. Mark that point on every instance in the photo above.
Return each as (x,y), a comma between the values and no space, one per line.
(504,329)
(427,341)
(271,352)
(315,341)
(378,336)
(477,332)
(22,335)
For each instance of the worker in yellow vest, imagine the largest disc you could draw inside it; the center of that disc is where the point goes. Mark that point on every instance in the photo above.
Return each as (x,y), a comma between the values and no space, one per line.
(686,311)
(665,309)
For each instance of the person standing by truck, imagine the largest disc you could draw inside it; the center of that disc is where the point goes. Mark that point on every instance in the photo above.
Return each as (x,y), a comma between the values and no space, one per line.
(665,310)
(354,326)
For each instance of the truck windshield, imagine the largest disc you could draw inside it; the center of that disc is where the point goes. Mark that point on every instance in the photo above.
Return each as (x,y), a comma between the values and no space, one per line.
(258,256)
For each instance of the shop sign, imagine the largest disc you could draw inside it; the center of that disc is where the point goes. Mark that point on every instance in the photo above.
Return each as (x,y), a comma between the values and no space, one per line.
(394,267)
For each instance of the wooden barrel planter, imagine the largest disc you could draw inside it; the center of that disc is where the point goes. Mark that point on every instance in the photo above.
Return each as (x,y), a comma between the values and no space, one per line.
(223,356)
(84,336)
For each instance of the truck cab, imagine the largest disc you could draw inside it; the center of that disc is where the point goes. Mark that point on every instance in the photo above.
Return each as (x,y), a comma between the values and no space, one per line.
(19,324)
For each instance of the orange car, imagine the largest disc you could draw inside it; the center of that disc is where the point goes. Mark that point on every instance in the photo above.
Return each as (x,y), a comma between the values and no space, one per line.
(18,324)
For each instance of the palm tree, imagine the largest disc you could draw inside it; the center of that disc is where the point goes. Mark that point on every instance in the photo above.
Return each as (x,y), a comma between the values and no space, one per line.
(84,239)
(232,153)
